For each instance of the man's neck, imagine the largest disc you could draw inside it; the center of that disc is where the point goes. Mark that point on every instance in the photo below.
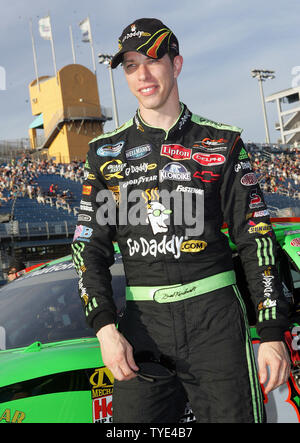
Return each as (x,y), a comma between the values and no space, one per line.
(161,118)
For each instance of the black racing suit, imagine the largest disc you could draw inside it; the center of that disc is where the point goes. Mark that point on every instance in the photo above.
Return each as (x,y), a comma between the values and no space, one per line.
(202,164)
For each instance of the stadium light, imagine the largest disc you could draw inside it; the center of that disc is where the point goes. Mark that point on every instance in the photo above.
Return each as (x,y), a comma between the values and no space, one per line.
(262,75)
(105,59)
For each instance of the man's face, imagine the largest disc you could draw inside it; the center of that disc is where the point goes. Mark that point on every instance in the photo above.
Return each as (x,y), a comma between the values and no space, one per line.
(12,274)
(152,81)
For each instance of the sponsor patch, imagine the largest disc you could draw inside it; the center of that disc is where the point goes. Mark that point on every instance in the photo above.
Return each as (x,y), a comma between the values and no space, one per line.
(143,167)
(261,228)
(243,154)
(193,246)
(174,171)
(176,152)
(212,145)
(82,233)
(242,165)
(153,247)
(86,190)
(84,218)
(256,201)
(249,179)
(181,188)
(138,152)
(110,150)
(209,159)
(91,177)
(206,176)
(112,169)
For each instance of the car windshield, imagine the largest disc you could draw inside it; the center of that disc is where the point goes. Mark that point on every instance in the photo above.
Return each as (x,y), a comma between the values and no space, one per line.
(45,306)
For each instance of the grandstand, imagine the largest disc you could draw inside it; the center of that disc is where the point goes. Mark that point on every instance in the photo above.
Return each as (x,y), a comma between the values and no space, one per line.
(37,225)
(41,226)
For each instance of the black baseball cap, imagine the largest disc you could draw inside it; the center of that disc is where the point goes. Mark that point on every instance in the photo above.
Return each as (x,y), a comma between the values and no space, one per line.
(150,37)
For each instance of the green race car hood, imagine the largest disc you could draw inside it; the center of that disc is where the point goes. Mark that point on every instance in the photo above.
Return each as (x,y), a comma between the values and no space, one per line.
(39,360)
(288,236)
(287,231)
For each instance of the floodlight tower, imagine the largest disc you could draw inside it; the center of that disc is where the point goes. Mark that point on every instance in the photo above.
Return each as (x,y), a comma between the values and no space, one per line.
(262,75)
(106,60)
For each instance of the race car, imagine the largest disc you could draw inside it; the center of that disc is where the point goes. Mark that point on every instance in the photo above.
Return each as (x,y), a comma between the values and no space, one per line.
(51,370)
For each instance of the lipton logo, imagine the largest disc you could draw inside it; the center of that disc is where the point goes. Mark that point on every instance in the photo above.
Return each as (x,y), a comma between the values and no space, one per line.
(176,152)
(209,159)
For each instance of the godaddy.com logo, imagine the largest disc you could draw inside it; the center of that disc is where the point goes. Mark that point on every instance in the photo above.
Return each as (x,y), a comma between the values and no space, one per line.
(157,209)
(2,79)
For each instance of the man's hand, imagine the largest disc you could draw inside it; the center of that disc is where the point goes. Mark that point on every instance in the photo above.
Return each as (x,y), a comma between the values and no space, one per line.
(117,353)
(273,354)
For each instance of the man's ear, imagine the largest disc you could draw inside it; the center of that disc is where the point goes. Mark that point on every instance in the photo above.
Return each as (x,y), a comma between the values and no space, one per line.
(177,65)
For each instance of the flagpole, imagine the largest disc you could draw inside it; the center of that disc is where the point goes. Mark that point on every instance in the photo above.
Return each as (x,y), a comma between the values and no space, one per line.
(52,48)
(34,55)
(92,47)
(72,45)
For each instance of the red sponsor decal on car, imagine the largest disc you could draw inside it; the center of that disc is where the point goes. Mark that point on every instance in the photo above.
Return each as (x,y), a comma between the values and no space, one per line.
(102,409)
(295,242)
(176,152)
(209,159)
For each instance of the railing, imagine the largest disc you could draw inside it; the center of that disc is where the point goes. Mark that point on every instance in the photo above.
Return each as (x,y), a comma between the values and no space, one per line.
(40,229)
(77,112)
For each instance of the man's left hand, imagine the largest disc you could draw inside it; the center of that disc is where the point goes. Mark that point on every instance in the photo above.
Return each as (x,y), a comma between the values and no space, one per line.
(275,356)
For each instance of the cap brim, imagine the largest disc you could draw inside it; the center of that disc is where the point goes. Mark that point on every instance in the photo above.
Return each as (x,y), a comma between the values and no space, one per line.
(117,59)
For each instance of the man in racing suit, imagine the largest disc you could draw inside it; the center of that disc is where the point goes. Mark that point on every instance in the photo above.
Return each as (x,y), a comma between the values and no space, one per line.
(161,186)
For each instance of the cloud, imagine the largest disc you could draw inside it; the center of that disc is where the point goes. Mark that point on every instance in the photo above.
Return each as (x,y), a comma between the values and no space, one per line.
(221,40)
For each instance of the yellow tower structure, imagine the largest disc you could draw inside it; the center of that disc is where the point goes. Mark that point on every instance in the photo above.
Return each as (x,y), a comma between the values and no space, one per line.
(67,108)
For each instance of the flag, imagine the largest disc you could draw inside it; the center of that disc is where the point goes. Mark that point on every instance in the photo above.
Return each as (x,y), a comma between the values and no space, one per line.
(45,28)
(86,30)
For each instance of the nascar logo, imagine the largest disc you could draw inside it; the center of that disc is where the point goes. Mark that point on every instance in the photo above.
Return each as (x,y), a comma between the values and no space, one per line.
(110,150)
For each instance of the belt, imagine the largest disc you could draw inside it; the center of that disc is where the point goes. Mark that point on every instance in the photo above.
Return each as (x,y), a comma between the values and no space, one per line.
(178,292)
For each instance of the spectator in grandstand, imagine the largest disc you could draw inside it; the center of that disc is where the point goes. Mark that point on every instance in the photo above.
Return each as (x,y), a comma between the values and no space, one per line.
(14,270)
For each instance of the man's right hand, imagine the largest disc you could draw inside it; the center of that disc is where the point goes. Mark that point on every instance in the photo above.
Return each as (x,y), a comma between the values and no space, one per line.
(117,353)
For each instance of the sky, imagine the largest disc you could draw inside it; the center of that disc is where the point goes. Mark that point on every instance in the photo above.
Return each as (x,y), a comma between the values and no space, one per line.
(221,41)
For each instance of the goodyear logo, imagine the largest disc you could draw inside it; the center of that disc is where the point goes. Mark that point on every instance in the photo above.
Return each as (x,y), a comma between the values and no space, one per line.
(261,228)
(193,246)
